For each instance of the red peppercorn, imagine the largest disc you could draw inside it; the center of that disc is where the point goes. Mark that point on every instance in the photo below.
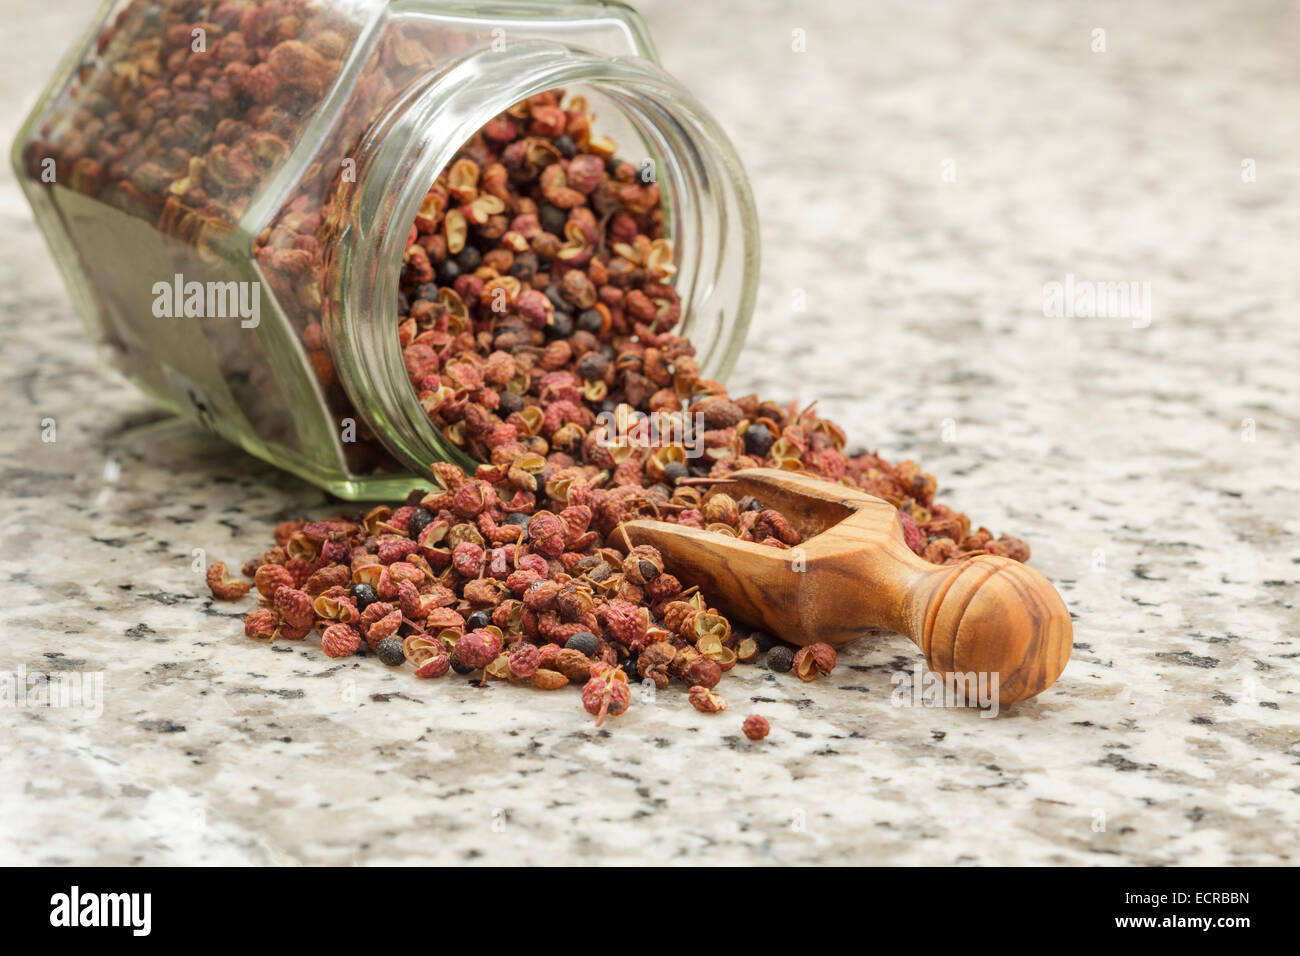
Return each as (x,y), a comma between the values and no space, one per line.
(294,607)
(524,660)
(814,661)
(477,649)
(261,624)
(385,627)
(756,727)
(269,578)
(222,587)
(606,693)
(340,640)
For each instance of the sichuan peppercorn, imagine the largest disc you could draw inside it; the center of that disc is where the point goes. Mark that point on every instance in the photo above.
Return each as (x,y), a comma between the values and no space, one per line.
(585,642)
(756,727)
(363,595)
(780,659)
(555,309)
(389,650)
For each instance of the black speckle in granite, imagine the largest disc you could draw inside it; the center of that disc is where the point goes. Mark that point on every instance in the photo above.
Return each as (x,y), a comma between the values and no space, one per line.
(1188,658)
(281,692)
(1271,705)
(1205,721)
(162,726)
(1122,763)
(64,663)
(164,597)
(139,631)
(210,610)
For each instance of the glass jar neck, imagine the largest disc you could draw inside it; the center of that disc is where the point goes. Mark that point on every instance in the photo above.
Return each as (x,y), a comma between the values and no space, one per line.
(708,213)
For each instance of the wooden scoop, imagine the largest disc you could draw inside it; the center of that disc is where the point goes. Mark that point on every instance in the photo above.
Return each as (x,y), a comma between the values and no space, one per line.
(853,572)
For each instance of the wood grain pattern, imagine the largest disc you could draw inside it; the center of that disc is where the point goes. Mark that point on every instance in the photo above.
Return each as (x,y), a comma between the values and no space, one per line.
(854,572)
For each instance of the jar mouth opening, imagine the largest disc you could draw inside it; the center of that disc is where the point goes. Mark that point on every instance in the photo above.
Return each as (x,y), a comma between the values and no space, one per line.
(655,124)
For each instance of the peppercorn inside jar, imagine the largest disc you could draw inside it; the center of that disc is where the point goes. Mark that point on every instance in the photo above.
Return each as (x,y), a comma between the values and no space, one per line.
(229,191)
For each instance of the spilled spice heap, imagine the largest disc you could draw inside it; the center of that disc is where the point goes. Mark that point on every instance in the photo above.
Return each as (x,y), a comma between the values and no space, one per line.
(536,324)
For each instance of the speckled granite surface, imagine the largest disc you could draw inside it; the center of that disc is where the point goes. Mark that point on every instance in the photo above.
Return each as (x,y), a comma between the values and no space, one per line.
(1118,452)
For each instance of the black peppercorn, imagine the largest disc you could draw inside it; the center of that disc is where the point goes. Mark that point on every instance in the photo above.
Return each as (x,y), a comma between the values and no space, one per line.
(418,522)
(364,595)
(469,259)
(478,619)
(675,471)
(565,144)
(389,650)
(592,366)
(517,518)
(509,402)
(584,641)
(552,292)
(589,320)
(553,219)
(524,267)
(758,440)
(447,271)
(780,658)
(560,325)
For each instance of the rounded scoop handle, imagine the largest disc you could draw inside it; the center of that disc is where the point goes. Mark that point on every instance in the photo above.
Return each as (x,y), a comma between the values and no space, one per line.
(986,615)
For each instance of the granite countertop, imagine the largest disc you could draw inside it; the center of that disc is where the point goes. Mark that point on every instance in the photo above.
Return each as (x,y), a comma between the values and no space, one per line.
(1152,469)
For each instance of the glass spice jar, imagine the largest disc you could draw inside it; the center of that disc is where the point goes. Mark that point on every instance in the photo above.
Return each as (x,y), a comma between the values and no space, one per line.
(228,189)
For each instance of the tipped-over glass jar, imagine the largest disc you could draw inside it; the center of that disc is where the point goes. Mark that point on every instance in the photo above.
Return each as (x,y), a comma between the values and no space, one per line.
(229,191)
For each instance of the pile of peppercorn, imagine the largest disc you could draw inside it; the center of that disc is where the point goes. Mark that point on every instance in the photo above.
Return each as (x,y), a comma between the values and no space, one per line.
(458,578)
(536,325)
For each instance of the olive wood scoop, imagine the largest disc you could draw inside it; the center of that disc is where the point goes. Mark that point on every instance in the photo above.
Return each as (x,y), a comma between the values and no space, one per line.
(987,614)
